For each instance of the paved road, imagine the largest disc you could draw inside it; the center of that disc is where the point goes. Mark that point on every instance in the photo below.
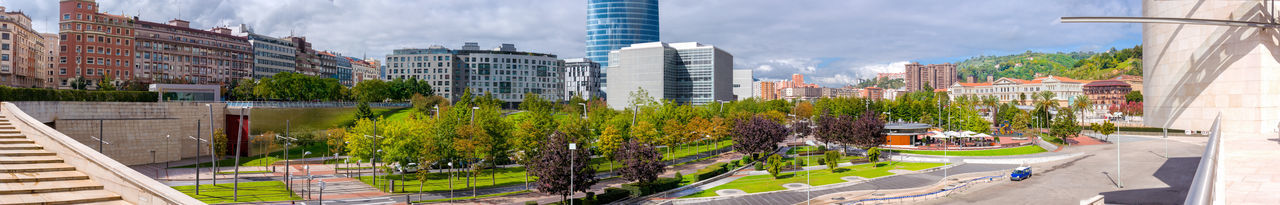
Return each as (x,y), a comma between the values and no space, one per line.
(1149,177)
(890,182)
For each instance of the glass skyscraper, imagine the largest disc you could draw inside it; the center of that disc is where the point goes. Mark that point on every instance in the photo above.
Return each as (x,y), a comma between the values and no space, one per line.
(614,24)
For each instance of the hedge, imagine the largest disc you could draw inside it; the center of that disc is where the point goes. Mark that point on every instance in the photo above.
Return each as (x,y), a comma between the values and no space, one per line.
(660,185)
(710,171)
(611,194)
(39,94)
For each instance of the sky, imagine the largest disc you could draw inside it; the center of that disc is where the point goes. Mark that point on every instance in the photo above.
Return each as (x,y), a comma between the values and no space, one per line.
(832,42)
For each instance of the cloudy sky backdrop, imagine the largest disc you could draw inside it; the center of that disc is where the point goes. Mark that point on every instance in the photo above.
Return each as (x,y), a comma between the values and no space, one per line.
(833,42)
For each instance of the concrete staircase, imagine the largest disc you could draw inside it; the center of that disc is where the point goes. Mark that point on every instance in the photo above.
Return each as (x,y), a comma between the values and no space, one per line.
(31,175)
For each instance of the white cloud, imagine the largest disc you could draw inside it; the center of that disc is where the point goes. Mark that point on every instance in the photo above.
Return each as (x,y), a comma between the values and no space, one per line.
(836,80)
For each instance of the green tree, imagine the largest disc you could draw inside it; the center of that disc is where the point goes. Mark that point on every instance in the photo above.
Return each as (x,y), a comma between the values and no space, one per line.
(774,165)
(107,83)
(610,141)
(832,158)
(243,90)
(1133,96)
(371,91)
(1022,123)
(1106,129)
(363,111)
(1064,126)
(873,155)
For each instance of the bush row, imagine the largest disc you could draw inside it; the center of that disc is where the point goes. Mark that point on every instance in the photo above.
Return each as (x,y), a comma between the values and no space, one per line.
(610,195)
(711,171)
(660,185)
(40,94)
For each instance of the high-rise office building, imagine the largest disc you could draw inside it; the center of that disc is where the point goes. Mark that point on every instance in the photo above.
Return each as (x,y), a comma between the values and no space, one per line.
(934,75)
(613,24)
(687,72)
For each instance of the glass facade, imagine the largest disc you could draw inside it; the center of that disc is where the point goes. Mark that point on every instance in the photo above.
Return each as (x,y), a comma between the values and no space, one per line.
(614,24)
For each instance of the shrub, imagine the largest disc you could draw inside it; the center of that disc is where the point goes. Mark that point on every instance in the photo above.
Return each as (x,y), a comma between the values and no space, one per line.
(591,196)
(746,159)
(679,175)
(531,203)
(611,194)
(711,171)
(775,165)
(759,166)
(822,161)
(735,163)
(660,185)
(800,163)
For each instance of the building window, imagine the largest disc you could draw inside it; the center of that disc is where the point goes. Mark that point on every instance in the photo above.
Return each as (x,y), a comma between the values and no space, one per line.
(66,16)
(4,57)
(4,36)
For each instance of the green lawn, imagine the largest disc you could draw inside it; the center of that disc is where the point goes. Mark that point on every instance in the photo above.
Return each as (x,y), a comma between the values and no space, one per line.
(317,150)
(813,159)
(1031,149)
(764,183)
(802,149)
(309,119)
(468,197)
(246,172)
(249,192)
(440,181)
(399,114)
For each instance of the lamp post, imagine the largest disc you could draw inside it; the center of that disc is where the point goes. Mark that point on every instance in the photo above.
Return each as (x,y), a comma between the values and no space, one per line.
(212,156)
(166,162)
(99,140)
(375,166)
(308,168)
(198,140)
(572,148)
(288,141)
(235,189)
(450,182)
(321,183)
(153,161)
(471,173)
(584,110)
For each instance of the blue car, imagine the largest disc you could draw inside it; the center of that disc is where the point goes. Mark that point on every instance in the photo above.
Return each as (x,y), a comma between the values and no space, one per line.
(1020,173)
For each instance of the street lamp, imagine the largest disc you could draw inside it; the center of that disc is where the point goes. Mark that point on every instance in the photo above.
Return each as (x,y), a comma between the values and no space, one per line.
(198,140)
(211,154)
(584,110)
(375,167)
(572,147)
(235,181)
(321,183)
(451,181)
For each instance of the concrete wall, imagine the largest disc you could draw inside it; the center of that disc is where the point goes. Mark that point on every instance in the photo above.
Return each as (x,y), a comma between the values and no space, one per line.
(1194,72)
(132,186)
(134,129)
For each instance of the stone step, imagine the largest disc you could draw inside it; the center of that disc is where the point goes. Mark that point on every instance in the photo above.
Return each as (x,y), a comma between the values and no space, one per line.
(15,161)
(20,147)
(9,130)
(12,136)
(68,197)
(114,202)
(18,153)
(43,176)
(42,167)
(46,187)
(16,141)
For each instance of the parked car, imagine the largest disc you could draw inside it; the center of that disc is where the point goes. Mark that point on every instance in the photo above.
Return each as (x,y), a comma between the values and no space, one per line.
(1020,173)
(410,168)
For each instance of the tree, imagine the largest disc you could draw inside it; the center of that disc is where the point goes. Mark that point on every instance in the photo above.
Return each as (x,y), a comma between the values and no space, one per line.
(243,90)
(336,138)
(1021,122)
(611,144)
(642,162)
(835,129)
(1133,96)
(219,143)
(531,130)
(644,131)
(371,91)
(774,165)
(868,131)
(758,135)
(803,110)
(107,83)
(832,158)
(363,111)
(1064,126)
(801,128)
(1106,129)
(1081,103)
(873,155)
(554,170)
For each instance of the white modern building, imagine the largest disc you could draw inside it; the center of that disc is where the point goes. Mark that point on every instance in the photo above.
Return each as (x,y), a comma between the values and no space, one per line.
(505,73)
(686,72)
(582,78)
(742,86)
(1009,89)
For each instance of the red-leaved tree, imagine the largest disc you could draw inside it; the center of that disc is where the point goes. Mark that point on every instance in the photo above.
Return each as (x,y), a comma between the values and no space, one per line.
(642,163)
(553,167)
(758,135)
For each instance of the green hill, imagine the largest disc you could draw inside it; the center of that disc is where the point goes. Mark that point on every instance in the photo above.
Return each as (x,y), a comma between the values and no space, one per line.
(1077,65)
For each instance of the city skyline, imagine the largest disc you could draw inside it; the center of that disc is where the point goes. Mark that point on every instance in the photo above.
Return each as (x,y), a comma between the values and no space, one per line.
(773,47)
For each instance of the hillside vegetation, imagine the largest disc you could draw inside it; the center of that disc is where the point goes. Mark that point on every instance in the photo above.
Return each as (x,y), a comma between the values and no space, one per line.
(1076,65)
